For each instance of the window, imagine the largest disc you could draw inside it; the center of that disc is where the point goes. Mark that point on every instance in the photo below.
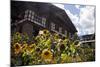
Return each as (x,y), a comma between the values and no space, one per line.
(70,35)
(30,15)
(26,14)
(44,21)
(65,32)
(52,26)
(60,30)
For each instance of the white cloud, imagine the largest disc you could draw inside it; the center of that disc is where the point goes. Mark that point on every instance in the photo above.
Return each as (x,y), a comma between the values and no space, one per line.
(87,19)
(85,22)
(75,20)
(77,6)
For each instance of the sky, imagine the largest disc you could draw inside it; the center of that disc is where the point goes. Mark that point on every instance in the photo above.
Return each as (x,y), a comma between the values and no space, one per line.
(82,16)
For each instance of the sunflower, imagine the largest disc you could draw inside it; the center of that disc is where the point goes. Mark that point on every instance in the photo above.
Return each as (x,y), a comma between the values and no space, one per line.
(24,46)
(37,49)
(65,58)
(30,48)
(45,31)
(47,55)
(17,48)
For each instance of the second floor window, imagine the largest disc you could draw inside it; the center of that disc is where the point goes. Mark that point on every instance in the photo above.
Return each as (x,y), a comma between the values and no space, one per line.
(26,14)
(44,21)
(52,26)
(60,29)
(65,32)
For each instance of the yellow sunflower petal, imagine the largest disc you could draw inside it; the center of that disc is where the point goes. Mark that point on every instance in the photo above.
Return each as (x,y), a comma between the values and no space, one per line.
(47,55)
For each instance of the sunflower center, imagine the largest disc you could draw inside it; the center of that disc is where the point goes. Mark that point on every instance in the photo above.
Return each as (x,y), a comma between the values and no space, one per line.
(44,32)
(46,53)
(38,49)
(17,47)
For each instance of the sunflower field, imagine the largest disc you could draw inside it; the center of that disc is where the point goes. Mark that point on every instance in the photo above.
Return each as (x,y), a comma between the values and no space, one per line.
(47,48)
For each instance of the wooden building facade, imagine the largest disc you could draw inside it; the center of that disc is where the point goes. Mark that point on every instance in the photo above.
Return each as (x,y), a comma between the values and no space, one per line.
(30,17)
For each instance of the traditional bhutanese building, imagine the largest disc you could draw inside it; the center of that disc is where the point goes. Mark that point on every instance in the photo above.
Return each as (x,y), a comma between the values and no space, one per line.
(30,17)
